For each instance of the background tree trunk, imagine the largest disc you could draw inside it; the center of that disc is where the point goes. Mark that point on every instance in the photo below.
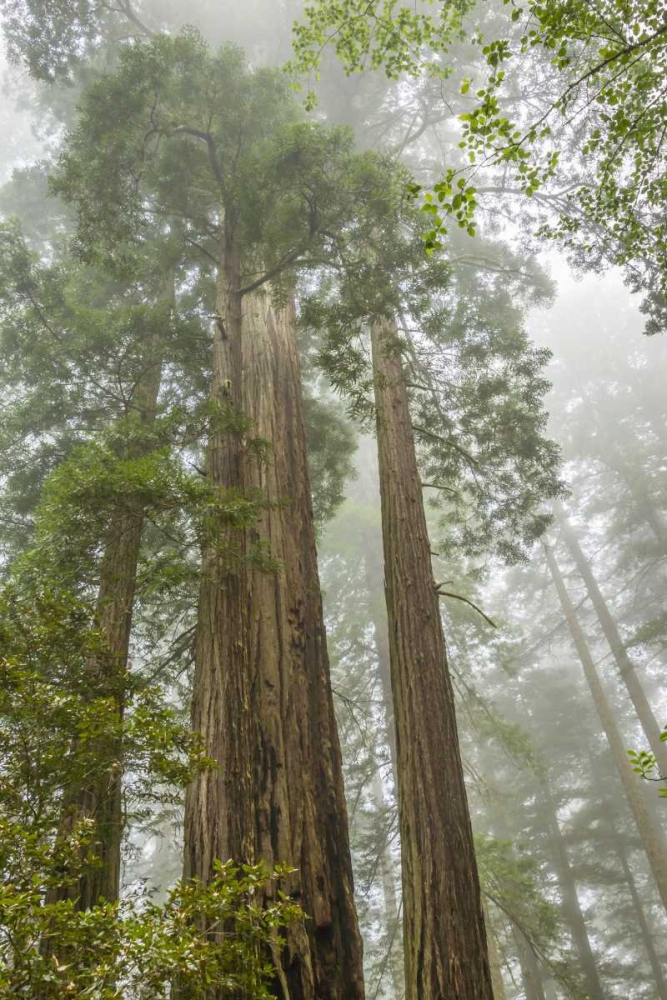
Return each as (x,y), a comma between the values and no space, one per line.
(618,842)
(568,887)
(610,631)
(530,969)
(650,837)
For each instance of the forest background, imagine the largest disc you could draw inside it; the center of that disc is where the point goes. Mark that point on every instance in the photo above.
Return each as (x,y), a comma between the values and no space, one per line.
(555,680)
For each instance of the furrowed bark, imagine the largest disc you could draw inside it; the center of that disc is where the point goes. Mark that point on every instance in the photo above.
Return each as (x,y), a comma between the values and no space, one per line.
(445,940)
(648,833)
(611,633)
(262,699)
(219,803)
(300,810)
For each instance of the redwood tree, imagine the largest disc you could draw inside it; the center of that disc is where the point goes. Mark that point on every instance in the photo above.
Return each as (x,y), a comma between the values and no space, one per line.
(261,193)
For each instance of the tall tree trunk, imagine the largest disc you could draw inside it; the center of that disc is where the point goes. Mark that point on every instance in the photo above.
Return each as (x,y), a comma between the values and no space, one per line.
(301,814)
(219,807)
(618,843)
(101,800)
(610,631)
(262,698)
(495,961)
(445,940)
(378,612)
(375,581)
(392,909)
(648,833)
(530,969)
(570,899)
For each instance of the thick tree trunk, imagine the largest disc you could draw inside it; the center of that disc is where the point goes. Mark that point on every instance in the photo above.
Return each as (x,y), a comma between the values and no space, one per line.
(102,800)
(300,809)
(610,631)
(650,837)
(219,807)
(263,699)
(445,940)
(570,900)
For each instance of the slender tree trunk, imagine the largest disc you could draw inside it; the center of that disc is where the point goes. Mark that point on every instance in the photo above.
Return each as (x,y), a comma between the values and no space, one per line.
(530,969)
(570,899)
(392,910)
(375,581)
(445,940)
(648,833)
(495,961)
(101,800)
(262,698)
(657,966)
(609,628)
(550,988)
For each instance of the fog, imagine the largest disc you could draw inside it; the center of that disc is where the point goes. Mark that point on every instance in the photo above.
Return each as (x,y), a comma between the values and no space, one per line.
(536,396)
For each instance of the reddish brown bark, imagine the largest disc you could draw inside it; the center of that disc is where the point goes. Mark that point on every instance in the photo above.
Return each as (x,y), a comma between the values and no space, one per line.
(263,699)
(445,941)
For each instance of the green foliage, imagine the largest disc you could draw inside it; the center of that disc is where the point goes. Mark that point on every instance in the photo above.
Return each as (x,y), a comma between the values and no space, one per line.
(77,348)
(606,64)
(55,37)
(476,384)
(58,717)
(331,446)
(644,764)
(379,33)
(58,720)
(167,135)
(511,880)
(134,948)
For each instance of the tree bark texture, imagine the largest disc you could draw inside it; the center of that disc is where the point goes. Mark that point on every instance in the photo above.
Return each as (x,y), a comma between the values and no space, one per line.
(648,833)
(445,940)
(219,813)
(611,633)
(263,699)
